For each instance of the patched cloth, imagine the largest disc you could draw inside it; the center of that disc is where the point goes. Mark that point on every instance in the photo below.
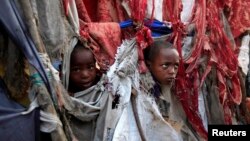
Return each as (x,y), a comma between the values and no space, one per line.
(174,114)
(164,107)
(136,117)
(88,112)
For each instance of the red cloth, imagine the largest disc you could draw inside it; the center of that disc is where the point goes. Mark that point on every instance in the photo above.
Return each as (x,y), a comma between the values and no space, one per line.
(91,6)
(100,10)
(103,39)
(238,15)
(187,83)
(219,50)
(83,14)
(105,36)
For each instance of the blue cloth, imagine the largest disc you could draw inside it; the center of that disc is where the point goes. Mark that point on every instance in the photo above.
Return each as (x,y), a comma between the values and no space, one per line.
(57,65)
(13,125)
(158,28)
(12,23)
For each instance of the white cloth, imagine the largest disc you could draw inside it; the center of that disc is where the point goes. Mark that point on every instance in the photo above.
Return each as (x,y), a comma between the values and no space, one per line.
(137,116)
(186,13)
(157,9)
(157,14)
(243,57)
(49,122)
(66,63)
(87,112)
(49,67)
(173,112)
(73,16)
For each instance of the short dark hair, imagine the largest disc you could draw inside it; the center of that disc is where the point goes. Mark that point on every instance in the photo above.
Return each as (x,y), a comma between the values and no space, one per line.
(152,50)
(80,46)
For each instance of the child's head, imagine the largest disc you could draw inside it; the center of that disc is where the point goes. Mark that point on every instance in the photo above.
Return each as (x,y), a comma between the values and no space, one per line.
(83,71)
(162,60)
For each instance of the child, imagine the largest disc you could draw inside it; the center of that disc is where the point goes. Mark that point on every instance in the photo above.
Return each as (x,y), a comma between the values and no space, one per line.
(88,99)
(83,72)
(162,60)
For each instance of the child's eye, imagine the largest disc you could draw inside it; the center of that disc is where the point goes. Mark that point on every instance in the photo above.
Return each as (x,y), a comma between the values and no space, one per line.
(165,66)
(91,67)
(76,70)
(176,66)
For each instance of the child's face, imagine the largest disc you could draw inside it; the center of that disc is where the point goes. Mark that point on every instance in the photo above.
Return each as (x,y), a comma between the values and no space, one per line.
(164,66)
(82,70)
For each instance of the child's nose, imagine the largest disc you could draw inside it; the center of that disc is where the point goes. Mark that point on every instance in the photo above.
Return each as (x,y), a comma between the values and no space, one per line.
(171,69)
(84,73)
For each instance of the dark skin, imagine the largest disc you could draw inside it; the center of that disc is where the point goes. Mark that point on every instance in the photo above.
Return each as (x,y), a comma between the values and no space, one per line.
(163,64)
(83,71)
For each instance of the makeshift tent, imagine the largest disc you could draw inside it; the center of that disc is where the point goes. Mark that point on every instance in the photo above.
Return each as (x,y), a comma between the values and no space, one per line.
(209,35)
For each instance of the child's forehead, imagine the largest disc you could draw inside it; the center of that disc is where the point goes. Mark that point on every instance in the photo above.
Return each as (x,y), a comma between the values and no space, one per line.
(81,50)
(165,49)
(166,53)
(82,53)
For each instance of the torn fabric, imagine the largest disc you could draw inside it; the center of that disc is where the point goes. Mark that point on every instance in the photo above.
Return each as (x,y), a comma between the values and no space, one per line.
(139,117)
